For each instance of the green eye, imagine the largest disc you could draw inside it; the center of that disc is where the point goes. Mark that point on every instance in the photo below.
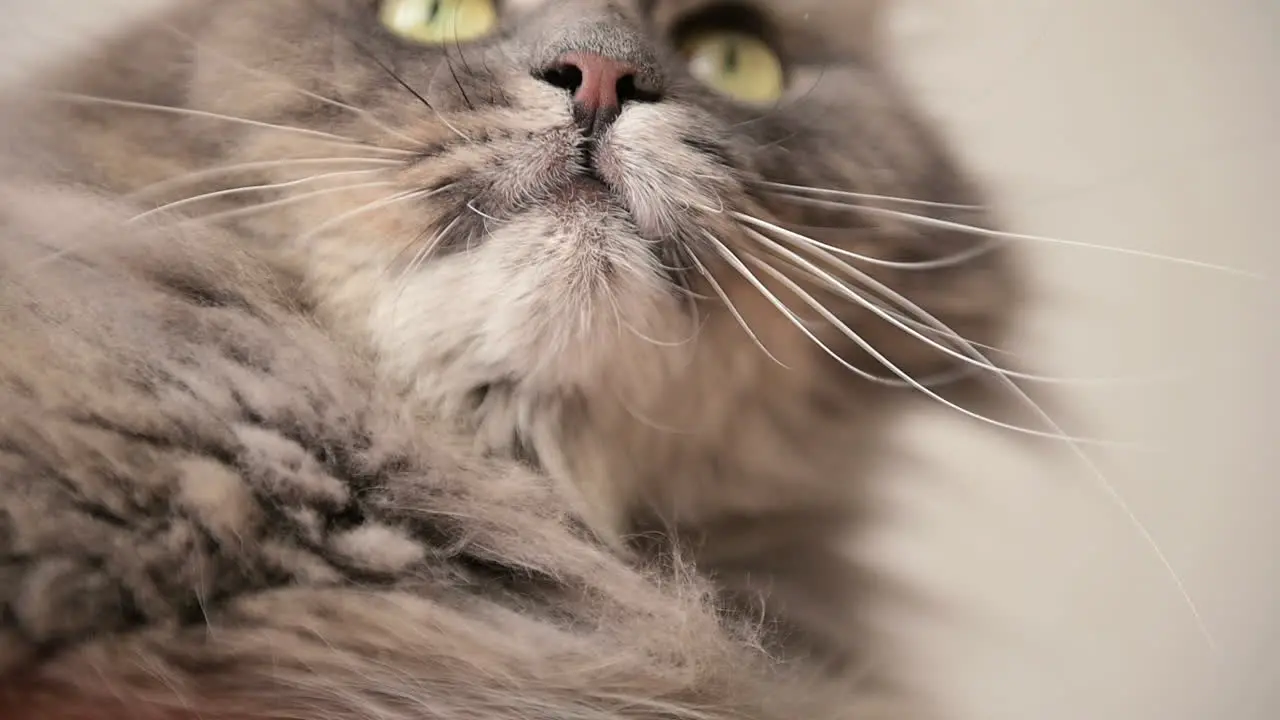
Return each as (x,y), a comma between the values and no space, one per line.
(739,65)
(439,22)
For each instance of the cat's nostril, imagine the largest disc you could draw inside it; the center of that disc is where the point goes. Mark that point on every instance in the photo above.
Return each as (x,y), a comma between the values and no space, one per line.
(628,91)
(565,77)
(600,86)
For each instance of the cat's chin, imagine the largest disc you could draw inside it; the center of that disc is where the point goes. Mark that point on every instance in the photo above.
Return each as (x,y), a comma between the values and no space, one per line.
(587,189)
(586,186)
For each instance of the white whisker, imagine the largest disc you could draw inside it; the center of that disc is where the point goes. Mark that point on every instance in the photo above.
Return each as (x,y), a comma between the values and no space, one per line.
(370,207)
(418,258)
(623,323)
(724,297)
(1075,444)
(678,275)
(849,333)
(221,170)
(364,147)
(862,196)
(907,327)
(953,225)
(430,247)
(64,252)
(803,326)
(975,358)
(423,254)
(475,210)
(232,192)
(291,200)
(945,262)
(905,377)
(954,337)
(736,263)
(1168,377)
(166,109)
(818,246)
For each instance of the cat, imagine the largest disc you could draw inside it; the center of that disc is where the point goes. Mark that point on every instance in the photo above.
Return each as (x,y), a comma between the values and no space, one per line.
(466,359)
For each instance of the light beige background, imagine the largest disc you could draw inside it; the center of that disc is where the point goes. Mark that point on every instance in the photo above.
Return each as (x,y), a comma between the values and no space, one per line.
(1146,124)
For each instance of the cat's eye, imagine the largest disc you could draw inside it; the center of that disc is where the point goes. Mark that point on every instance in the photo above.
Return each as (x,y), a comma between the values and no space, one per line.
(737,64)
(440,22)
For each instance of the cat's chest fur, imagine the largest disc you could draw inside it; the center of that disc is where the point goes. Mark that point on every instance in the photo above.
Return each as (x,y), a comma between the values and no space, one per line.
(688,435)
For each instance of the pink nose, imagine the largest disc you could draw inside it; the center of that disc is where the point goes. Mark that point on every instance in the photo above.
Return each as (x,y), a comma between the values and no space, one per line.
(599,78)
(599,85)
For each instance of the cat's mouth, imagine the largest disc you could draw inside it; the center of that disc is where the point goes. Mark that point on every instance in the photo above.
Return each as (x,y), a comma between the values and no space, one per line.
(602,175)
(639,174)
(587,176)
(585,182)
(586,186)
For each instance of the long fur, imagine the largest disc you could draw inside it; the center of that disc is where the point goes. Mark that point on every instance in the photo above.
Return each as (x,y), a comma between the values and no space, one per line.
(457,435)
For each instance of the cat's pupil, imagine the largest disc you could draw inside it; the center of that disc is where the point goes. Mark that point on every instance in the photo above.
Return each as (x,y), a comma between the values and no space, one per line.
(433,11)
(732,58)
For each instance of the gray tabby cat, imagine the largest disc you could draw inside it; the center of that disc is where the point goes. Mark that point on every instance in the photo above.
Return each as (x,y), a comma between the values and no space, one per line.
(463,359)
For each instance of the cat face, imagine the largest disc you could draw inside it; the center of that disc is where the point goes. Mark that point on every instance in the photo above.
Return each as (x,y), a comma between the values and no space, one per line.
(671,205)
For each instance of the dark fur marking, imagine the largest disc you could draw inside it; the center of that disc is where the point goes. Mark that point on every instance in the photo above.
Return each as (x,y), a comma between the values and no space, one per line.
(201,292)
(710,148)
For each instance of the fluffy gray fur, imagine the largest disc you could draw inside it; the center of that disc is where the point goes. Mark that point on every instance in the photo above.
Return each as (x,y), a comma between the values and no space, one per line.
(432,426)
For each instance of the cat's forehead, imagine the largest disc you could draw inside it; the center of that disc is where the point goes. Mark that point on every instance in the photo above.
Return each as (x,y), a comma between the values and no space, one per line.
(845,24)
(665,7)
